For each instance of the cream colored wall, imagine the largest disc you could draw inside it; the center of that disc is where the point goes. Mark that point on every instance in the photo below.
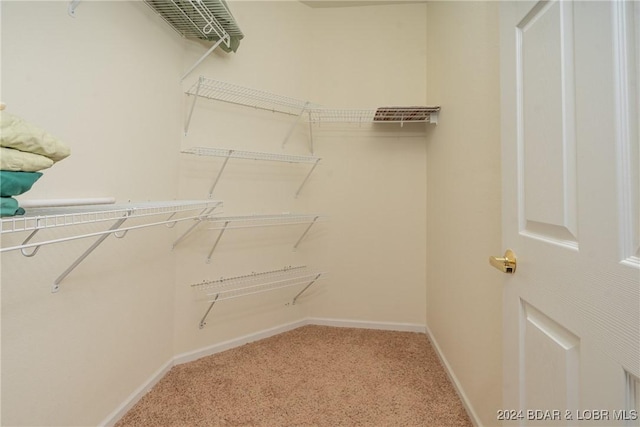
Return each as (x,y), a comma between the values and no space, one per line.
(464,295)
(371,182)
(105,83)
(272,57)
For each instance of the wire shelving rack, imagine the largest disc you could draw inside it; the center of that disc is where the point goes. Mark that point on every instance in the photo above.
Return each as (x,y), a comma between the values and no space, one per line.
(255,283)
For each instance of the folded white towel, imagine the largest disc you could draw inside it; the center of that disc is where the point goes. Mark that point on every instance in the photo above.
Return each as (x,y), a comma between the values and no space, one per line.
(16,160)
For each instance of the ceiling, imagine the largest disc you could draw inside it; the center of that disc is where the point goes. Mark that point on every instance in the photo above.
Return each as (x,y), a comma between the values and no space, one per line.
(352,3)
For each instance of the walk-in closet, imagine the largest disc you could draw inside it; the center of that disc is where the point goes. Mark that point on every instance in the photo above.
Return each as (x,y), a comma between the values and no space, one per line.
(243,171)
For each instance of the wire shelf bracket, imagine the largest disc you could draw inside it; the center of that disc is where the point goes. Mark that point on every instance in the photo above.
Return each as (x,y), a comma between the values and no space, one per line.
(224,224)
(255,283)
(251,155)
(71,8)
(38,219)
(207,20)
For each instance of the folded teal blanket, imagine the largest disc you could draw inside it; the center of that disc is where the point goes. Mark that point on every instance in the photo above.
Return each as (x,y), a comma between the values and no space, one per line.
(9,207)
(15,183)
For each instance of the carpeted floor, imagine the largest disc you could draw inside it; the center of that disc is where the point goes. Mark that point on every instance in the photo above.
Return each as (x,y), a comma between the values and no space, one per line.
(311,376)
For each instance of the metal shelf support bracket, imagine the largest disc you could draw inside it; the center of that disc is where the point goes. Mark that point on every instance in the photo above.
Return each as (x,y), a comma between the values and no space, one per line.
(226,39)
(215,182)
(293,125)
(71,9)
(305,232)
(306,178)
(203,321)
(35,249)
(305,288)
(193,104)
(56,284)
(206,212)
(224,227)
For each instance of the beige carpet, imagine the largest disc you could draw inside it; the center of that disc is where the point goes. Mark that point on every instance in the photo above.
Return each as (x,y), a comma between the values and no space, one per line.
(311,376)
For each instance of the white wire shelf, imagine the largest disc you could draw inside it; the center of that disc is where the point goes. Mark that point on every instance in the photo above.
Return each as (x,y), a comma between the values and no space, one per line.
(148,214)
(63,216)
(251,155)
(244,96)
(201,19)
(249,221)
(222,224)
(255,283)
(375,115)
(248,97)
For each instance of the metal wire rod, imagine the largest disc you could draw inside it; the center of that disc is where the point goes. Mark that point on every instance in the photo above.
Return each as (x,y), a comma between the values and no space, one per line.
(249,221)
(310,135)
(63,216)
(224,165)
(306,179)
(245,285)
(216,242)
(305,288)
(207,284)
(56,283)
(224,39)
(35,249)
(250,290)
(204,214)
(248,97)
(305,233)
(193,105)
(249,155)
(204,318)
(293,125)
(97,233)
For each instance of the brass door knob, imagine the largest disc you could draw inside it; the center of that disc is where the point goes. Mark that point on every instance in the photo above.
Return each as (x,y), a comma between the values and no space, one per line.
(506,264)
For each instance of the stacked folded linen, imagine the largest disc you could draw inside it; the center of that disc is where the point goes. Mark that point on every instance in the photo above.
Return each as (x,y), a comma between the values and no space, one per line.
(24,150)
(14,184)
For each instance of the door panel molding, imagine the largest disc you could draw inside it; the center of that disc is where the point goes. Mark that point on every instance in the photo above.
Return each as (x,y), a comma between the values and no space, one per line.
(551,368)
(546,133)
(626,27)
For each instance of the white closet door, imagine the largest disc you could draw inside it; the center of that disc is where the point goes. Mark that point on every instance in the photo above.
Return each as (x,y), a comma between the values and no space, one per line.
(570,210)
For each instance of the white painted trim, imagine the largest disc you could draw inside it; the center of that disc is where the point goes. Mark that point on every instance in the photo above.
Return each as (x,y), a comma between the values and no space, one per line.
(454,380)
(236,342)
(133,398)
(245,339)
(364,324)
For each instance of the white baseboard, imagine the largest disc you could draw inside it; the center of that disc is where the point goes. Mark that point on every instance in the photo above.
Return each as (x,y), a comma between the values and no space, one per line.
(362,324)
(454,380)
(137,395)
(237,342)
